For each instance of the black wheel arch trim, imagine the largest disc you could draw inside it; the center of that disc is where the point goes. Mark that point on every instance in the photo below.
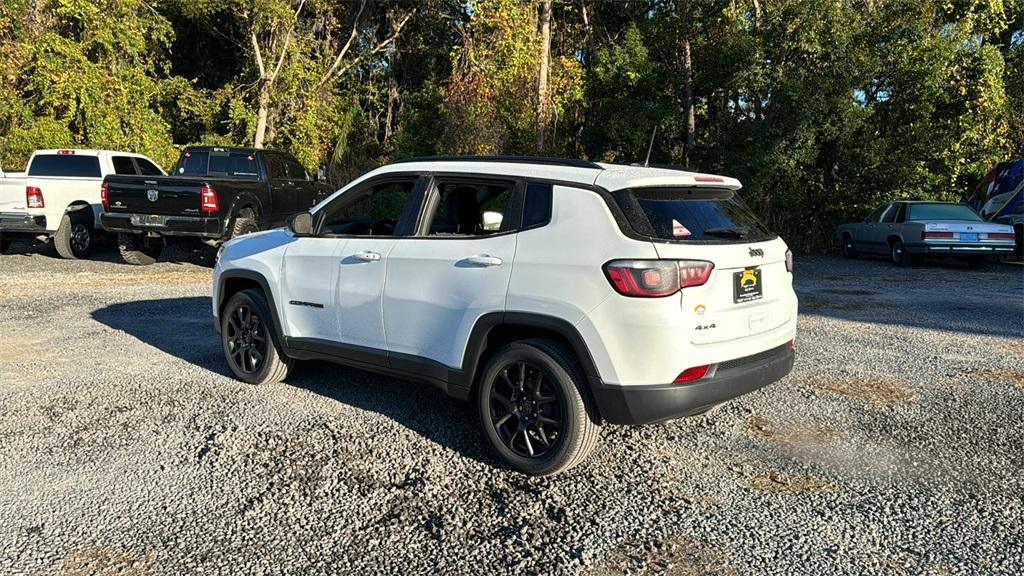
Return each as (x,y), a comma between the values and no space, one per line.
(251,275)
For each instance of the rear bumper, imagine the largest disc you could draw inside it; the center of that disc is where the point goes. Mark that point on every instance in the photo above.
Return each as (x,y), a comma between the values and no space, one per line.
(629,404)
(961,249)
(18,223)
(191,226)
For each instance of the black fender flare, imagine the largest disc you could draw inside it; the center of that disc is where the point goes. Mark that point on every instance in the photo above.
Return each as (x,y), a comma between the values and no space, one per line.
(477,342)
(242,200)
(250,275)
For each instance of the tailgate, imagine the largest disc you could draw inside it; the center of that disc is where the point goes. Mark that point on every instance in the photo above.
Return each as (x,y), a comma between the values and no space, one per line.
(12,195)
(749,292)
(166,195)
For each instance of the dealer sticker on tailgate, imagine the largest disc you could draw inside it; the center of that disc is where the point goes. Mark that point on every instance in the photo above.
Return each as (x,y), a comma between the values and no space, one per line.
(746,285)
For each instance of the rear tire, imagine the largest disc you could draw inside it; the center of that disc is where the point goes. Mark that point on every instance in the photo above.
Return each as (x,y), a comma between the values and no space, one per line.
(139,250)
(536,409)
(899,254)
(245,223)
(250,342)
(73,239)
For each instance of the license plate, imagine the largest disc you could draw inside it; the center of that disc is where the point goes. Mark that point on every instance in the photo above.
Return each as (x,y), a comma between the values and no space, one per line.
(148,220)
(968,237)
(746,285)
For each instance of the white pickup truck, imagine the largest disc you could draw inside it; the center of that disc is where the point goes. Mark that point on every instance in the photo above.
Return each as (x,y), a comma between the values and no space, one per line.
(58,197)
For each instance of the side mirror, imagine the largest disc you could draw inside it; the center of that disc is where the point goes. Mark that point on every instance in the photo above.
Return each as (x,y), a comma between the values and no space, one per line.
(301,224)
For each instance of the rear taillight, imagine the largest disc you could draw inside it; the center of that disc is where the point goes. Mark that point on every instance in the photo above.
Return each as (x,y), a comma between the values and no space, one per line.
(1001,236)
(656,278)
(105,195)
(789,261)
(34,197)
(691,374)
(208,200)
(928,235)
(790,345)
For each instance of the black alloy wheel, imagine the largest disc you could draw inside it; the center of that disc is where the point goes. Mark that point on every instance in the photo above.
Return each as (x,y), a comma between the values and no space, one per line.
(526,410)
(247,340)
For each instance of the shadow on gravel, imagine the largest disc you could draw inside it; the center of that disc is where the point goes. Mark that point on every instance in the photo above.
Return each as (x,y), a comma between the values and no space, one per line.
(419,407)
(182,328)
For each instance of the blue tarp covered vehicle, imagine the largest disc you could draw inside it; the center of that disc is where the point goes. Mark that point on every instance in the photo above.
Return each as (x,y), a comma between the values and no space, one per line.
(999,197)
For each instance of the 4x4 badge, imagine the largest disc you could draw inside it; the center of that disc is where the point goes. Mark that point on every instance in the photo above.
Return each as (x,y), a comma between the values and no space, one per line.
(756,252)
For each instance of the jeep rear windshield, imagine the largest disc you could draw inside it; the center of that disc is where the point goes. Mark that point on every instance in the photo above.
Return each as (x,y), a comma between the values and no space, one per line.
(690,215)
(218,163)
(65,166)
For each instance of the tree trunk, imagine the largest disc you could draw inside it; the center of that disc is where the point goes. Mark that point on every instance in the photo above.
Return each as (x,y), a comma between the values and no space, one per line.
(263,111)
(543,103)
(688,112)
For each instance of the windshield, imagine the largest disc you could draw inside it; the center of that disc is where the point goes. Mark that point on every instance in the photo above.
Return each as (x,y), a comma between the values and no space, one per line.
(939,211)
(65,166)
(691,214)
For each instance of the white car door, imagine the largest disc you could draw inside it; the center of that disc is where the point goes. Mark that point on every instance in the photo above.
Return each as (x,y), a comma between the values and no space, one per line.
(309,275)
(457,269)
(371,219)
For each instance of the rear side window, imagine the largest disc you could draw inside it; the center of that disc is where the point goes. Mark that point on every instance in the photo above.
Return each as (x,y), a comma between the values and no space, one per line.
(943,212)
(690,214)
(65,166)
(294,170)
(537,207)
(123,165)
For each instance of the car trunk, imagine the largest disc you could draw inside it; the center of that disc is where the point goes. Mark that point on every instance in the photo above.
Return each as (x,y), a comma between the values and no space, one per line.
(749,291)
(165,196)
(965,230)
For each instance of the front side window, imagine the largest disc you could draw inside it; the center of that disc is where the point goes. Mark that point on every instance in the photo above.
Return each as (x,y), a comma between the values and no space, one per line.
(375,211)
(472,209)
(147,168)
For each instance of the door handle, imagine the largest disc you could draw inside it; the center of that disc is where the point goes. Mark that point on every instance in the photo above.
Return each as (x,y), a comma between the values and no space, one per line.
(484,260)
(367,256)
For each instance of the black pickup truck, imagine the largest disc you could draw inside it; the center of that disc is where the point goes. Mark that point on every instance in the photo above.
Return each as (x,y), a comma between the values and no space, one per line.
(214,194)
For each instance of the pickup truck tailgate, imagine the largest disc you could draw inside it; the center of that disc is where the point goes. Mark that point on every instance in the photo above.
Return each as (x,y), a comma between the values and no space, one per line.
(166,195)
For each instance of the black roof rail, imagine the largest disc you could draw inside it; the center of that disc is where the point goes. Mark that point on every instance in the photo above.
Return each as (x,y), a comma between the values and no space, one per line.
(546,160)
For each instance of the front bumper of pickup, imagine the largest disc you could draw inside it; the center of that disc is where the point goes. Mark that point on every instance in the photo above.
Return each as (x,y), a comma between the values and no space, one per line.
(20,223)
(642,404)
(960,249)
(191,226)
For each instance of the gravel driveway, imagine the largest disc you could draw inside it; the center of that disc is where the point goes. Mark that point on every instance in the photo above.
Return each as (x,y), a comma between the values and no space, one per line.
(896,446)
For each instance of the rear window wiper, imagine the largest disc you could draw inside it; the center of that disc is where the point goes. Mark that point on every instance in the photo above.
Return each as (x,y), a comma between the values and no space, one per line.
(737,231)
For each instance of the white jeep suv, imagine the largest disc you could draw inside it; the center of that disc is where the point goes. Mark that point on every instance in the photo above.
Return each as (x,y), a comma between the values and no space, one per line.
(553,294)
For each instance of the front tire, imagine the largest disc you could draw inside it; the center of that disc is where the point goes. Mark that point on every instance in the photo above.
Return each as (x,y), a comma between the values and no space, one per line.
(849,250)
(536,409)
(250,343)
(139,250)
(74,236)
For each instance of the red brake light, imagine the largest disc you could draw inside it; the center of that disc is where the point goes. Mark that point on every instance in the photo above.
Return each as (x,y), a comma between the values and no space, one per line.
(926,235)
(708,179)
(208,199)
(65,152)
(34,197)
(691,374)
(656,278)
(1001,236)
(789,261)
(105,195)
(790,345)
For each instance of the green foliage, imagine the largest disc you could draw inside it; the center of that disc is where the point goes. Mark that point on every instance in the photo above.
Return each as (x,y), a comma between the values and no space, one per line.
(822,109)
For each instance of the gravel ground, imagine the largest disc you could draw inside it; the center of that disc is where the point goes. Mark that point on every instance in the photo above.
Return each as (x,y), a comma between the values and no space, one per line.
(895,446)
